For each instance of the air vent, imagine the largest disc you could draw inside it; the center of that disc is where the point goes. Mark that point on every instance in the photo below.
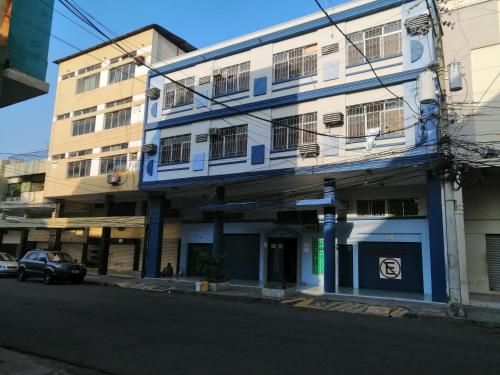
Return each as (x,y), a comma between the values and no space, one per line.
(149,148)
(204,80)
(153,93)
(333,119)
(331,48)
(201,138)
(309,150)
(418,24)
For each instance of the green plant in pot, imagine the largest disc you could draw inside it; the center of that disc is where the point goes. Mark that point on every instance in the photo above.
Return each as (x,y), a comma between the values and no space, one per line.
(213,268)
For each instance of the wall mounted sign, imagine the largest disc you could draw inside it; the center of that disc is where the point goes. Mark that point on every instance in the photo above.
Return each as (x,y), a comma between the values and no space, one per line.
(390,268)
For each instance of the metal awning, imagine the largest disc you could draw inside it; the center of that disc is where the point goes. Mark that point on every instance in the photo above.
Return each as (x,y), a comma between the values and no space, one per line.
(284,204)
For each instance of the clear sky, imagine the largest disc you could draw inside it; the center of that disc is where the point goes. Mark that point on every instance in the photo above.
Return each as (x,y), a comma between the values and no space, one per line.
(25,127)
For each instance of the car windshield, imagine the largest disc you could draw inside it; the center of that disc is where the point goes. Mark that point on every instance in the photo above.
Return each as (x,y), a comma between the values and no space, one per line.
(59,257)
(7,257)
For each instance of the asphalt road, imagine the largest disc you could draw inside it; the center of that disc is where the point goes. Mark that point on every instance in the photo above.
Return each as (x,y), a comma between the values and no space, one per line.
(124,331)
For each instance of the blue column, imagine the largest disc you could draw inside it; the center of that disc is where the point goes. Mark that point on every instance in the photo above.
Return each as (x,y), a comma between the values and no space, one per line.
(436,238)
(157,205)
(329,238)
(219,223)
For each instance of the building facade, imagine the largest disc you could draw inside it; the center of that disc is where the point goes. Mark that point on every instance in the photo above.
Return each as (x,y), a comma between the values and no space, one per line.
(283,151)
(471,55)
(94,147)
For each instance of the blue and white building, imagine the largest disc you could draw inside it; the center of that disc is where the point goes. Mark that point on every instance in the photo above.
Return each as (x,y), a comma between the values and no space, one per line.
(295,161)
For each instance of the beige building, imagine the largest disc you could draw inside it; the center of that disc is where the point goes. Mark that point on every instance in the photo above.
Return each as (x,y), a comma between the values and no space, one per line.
(95,145)
(472,51)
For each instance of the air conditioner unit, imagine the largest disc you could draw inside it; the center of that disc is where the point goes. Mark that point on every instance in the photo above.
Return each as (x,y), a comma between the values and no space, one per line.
(149,148)
(333,119)
(213,131)
(140,60)
(153,93)
(113,179)
(309,151)
(418,24)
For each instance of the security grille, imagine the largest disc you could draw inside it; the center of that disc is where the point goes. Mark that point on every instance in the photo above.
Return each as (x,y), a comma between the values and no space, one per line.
(233,79)
(386,115)
(203,80)
(201,138)
(493,260)
(331,48)
(229,142)
(175,149)
(293,131)
(179,94)
(333,119)
(295,63)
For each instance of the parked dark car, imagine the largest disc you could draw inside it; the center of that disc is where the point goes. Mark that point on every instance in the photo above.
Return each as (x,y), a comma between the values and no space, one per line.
(51,266)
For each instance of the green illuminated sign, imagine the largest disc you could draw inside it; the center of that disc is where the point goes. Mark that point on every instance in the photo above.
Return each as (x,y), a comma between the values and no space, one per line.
(318,257)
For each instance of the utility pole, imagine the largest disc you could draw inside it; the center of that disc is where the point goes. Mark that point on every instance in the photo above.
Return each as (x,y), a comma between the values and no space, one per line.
(457,296)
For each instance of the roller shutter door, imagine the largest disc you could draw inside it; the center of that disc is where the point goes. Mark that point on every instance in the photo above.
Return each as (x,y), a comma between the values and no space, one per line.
(493,259)
(121,258)
(73,249)
(243,256)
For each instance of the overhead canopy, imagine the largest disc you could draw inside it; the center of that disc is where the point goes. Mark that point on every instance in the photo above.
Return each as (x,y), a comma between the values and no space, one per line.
(285,204)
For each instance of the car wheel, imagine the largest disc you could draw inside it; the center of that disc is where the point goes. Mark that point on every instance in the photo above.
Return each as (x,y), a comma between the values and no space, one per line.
(48,278)
(21,275)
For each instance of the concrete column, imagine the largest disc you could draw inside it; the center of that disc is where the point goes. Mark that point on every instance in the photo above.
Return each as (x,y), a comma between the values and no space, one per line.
(23,244)
(462,255)
(156,211)
(329,238)
(436,238)
(102,268)
(218,242)
(55,233)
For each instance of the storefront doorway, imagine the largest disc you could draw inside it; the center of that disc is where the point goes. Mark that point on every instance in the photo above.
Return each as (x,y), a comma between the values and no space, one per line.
(282,260)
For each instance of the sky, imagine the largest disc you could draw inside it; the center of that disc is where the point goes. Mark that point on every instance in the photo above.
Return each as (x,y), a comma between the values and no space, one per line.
(25,127)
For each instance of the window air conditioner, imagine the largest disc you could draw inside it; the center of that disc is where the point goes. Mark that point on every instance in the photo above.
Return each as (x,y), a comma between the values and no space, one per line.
(309,150)
(153,93)
(333,119)
(113,179)
(149,148)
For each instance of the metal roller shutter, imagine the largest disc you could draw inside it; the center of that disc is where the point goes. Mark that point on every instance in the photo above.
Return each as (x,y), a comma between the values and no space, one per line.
(73,249)
(121,258)
(493,259)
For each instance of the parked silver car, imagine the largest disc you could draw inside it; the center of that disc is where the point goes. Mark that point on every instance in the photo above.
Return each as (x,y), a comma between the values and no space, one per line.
(8,265)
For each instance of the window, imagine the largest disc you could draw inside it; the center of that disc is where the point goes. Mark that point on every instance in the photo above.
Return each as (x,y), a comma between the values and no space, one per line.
(121,58)
(229,142)
(37,182)
(85,111)
(63,116)
(386,115)
(403,207)
(293,131)
(175,149)
(87,83)
(75,154)
(119,146)
(117,118)
(58,156)
(79,168)
(68,75)
(84,126)
(376,43)
(121,73)
(113,164)
(176,95)
(116,103)
(375,207)
(89,68)
(232,79)
(295,63)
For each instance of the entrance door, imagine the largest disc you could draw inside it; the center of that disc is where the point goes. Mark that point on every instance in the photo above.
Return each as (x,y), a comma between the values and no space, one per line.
(282,260)
(194,251)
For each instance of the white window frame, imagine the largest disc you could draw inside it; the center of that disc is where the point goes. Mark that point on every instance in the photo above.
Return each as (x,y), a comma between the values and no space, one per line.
(175,150)
(295,63)
(230,142)
(121,73)
(105,161)
(176,95)
(87,124)
(288,132)
(88,83)
(231,80)
(77,165)
(118,118)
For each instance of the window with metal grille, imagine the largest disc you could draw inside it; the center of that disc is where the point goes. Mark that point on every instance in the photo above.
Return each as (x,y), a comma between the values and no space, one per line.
(376,43)
(121,73)
(403,207)
(176,95)
(83,126)
(175,149)
(386,115)
(229,142)
(233,79)
(116,103)
(79,168)
(293,131)
(88,83)
(116,147)
(85,111)
(74,154)
(295,63)
(113,164)
(117,118)
(374,207)
(62,116)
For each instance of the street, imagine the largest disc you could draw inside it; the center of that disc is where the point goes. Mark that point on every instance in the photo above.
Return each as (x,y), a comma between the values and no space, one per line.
(122,331)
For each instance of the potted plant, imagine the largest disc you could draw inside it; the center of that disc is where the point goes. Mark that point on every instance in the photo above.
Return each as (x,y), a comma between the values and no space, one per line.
(214,270)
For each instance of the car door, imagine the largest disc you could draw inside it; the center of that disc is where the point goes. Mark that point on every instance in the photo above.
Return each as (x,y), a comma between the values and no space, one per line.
(29,262)
(40,262)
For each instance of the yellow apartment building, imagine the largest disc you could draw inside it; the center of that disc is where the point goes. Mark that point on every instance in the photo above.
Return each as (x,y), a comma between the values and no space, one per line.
(95,145)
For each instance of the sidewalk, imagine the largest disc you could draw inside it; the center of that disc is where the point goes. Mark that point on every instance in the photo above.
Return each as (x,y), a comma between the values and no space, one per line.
(327,302)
